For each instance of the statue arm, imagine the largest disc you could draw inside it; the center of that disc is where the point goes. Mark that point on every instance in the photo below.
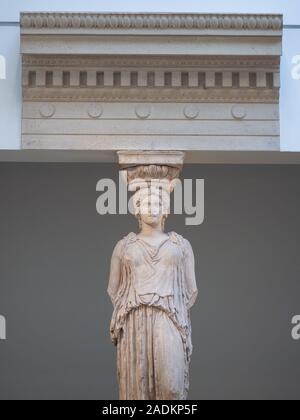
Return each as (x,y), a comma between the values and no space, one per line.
(190,278)
(115,272)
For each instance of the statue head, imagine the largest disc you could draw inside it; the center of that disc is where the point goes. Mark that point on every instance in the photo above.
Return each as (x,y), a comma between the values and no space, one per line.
(152,207)
(153,185)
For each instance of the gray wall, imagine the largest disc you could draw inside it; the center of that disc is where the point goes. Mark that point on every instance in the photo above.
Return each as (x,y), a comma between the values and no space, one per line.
(54,262)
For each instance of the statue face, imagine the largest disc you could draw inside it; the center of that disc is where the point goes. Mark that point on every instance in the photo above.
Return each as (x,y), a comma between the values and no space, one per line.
(151,211)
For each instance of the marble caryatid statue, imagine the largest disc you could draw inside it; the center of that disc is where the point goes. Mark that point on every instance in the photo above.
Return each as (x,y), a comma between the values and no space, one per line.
(152,287)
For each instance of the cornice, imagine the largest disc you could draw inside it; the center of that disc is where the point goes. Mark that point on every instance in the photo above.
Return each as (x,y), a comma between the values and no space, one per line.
(171,64)
(161,21)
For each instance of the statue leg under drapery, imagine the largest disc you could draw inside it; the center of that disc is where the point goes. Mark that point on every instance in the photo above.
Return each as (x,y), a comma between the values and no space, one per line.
(151,357)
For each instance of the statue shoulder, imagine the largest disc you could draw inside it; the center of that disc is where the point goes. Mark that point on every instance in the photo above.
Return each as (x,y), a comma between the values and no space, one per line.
(131,237)
(180,240)
(122,243)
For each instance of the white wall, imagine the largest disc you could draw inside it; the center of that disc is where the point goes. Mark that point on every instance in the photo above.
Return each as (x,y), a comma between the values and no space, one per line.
(290,92)
(290,8)
(10,89)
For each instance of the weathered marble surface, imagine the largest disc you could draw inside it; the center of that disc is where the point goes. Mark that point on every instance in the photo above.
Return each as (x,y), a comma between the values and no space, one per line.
(152,287)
